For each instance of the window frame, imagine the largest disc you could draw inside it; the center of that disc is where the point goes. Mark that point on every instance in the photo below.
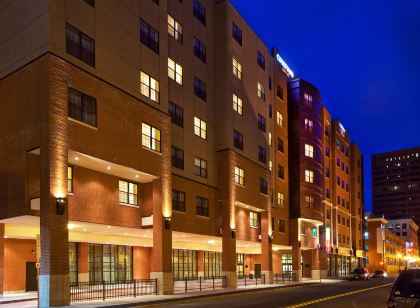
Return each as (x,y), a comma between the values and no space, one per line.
(154,143)
(149,86)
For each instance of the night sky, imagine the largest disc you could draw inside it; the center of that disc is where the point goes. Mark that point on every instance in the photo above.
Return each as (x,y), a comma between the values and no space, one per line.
(364,57)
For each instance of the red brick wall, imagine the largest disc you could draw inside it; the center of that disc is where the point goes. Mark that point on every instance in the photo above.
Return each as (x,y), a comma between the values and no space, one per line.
(16,253)
(141,262)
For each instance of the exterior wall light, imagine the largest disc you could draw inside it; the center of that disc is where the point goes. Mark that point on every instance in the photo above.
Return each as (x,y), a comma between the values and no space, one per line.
(60,205)
(167,223)
(233,233)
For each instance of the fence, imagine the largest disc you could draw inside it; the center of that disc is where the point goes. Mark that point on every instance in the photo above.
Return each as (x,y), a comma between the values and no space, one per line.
(199,284)
(250,280)
(86,291)
(282,278)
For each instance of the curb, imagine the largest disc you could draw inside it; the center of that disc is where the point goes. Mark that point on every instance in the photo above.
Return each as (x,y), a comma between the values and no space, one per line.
(17,301)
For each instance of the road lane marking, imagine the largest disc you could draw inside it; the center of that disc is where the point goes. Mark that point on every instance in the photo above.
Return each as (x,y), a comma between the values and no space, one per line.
(337,296)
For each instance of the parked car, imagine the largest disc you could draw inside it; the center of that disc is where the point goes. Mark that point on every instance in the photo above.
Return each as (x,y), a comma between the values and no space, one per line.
(380,274)
(406,290)
(359,274)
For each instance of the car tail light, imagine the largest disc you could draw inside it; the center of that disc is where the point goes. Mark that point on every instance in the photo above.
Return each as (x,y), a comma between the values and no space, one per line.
(390,304)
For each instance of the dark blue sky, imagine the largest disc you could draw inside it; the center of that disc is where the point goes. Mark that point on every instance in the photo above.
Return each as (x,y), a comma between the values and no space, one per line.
(364,57)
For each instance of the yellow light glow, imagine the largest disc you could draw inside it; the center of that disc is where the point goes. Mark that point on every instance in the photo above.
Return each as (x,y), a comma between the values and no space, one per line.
(211,242)
(71,226)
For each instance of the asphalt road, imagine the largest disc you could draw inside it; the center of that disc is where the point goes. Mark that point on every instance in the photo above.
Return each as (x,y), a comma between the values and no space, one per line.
(344,294)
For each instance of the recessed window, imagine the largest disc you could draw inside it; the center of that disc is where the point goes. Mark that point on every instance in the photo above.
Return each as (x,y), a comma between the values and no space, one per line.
(150,137)
(174,28)
(90,2)
(260,91)
(200,167)
(200,88)
(199,11)
(270,141)
(236,68)
(262,154)
(309,200)
(327,193)
(263,186)
(260,60)
(280,172)
(178,200)
(175,71)
(279,92)
(309,150)
(149,36)
(149,87)
(200,128)
(327,172)
(281,225)
(253,219)
(238,140)
(237,104)
(270,165)
(309,176)
(236,33)
(280,145)
(270,111)
(308,100)
(70,179)
(279,118)
(177,114)
(202,206)
(261,122)
(309,125)
(177,156)
(200,50)
(79,45)
(82,107)
(127,193)
(239,176)
(280,199)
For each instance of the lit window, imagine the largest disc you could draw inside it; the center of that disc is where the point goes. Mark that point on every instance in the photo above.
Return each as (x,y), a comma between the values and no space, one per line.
(269,139)
(239,176)
(280,199)
(150,137)
(237,104)
(309,201)
(309,176)
(127,193)
(253,219)
(174,71)
(200,128)
(308,100)
(260,91)
(309,125)
(270,165)
(174,28)
(200,167)
(149,87)
(70,179)
(280,119)
(237,68)
(309,150)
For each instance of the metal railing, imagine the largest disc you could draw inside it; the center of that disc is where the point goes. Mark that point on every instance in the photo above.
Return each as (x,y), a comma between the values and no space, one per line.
(199,284)
(250,280)
(86,291)
(282,278)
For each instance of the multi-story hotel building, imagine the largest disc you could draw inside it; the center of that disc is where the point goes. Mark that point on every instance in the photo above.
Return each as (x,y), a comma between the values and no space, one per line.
(406,229)
(150,139)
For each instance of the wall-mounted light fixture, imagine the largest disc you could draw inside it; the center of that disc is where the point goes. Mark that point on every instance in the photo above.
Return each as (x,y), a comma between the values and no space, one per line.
(233,233)
(60,205)
(318,246)
(167,223)
(300,244)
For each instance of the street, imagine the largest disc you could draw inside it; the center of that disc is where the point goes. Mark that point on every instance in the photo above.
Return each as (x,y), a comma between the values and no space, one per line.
(306,296)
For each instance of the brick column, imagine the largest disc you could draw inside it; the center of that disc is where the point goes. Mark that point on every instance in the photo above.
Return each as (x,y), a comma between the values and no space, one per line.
(162,236)
(2,244)
(315,272)
(83,262)
(54,280)
(266,248)
(200,263)
(141,262)
(296,251)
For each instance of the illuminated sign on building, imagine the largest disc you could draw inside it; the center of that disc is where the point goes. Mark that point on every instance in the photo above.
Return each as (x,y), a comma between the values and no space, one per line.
(285,66)
(328,239)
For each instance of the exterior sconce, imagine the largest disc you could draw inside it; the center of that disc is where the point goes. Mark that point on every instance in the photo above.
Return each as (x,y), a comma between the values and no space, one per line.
(318,246)
(60,205)
(270,238)
(167,223)
(300,244)
(233,233)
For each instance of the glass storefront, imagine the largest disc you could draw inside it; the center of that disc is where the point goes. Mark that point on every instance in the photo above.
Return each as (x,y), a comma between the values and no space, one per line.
(73,271)
(240,264)
(184,264)
(109,263)
(212,264)
(286,263)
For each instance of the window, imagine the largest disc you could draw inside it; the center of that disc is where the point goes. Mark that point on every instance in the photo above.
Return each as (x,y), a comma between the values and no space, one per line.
(328,214)
(200,128)
(327,151)
(177,114)
(302,228)
(261,122)
(309,125)
(90,2)
(327,193)
(236,68)
(270,139)
(239,176)
(80,45)
(149,36)
(280,172)
(175,71)
(212,264)
(338,199)
(270,111)
(82,107)
(260,91)
(309,150)
(236,33)
(309,200)
(279,119)
(178,200)
(73,268)
(253,219)
(280,145)
(280,199)
(70,179)
(199,11)
(149,87)
(199,50)
(327,172)
(184,264)
(260,60)
(240,265)
(237,104)
(174,28)
(279,92)
(202,206)
(262,154)
(270,165)
(150,137)
(338,181)
(238,140)
(200,167)
(127,193)
(263,186)
(200,88)
(309,176)
(156,2)
(177,156)
(308,100)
